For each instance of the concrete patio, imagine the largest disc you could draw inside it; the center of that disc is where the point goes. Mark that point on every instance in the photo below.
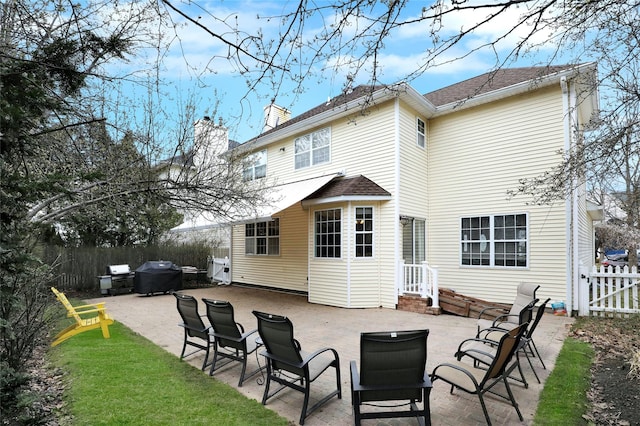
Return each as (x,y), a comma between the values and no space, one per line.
(317,326)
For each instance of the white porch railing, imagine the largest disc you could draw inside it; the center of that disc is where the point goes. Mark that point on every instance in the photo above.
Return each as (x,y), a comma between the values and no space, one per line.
(614,291)
(419,279)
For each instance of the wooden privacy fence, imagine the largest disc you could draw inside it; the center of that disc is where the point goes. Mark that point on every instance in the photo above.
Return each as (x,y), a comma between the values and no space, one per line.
(614,291)
(77,268)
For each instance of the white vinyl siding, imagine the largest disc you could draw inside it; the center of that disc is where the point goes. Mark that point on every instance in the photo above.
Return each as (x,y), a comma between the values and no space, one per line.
(287,271)
(475,157)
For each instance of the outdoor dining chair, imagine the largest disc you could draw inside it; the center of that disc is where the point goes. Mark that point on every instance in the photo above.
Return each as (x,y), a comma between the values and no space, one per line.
(497,316)
(527,345)
(231,341)
(483,348)
(289,366)
(478,381)
(196,334)
(392,369)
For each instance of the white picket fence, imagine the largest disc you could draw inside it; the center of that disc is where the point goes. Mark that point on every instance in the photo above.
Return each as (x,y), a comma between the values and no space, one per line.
(219,270)
(614,291)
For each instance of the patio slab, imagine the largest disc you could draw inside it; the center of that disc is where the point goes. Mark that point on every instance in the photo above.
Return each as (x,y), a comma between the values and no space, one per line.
(317,326)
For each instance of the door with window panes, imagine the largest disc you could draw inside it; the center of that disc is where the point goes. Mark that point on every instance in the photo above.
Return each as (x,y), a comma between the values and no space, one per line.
(413,241)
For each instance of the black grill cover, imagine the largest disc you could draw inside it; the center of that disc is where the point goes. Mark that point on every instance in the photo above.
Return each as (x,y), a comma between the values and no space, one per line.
(157,276)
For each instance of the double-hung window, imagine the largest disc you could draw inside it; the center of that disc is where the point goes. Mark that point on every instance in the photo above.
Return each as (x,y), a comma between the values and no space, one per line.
(494,240)
(328,233)
(256,166)
(313,148)
(364,232)
(262,238)
(421,132)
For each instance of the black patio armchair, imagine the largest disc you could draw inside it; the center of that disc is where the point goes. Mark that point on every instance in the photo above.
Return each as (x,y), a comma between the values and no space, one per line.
(196,334)
(289,366)
(479,381)
(231,342)
(483,348)
(392,368)
(526,346)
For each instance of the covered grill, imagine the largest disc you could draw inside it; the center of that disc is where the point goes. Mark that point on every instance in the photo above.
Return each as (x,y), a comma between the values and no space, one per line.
(157,277)
(117,279)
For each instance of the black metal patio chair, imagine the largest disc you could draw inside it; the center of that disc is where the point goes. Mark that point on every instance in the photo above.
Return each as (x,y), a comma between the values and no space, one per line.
(392,369)
(477,381)
(527,345)
(289,366)
(196,334)
(231,342)
(483,348)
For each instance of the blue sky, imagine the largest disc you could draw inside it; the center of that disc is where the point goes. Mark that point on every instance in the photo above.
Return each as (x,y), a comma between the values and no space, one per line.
(197,63)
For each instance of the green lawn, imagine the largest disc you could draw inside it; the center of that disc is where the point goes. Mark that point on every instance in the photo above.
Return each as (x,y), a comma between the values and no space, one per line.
(127,380)
(563,400)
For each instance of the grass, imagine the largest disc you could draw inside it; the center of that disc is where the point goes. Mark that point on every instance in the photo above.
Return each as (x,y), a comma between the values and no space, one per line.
(563,400)
(127,380)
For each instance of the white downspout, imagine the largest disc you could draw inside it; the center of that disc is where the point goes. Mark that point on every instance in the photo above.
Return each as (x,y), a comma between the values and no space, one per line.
(396,219)
(570,204)
(350,234)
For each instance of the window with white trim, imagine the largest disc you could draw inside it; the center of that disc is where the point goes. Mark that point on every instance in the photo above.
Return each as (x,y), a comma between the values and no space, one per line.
(262,238)
(494,240)
(313,148)
(256,166)
(364,232)
(328,233)
(421,132)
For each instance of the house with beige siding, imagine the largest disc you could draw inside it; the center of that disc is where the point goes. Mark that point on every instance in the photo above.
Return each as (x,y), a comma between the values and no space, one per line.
(383,192)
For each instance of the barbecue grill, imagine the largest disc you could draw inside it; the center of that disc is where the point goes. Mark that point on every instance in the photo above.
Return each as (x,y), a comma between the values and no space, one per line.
(157,277)
(117,279)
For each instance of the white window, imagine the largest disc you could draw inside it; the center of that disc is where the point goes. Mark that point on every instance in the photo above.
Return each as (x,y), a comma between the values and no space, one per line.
(494,240)
(262,238)
(256,166)
(328,232)
(364,232)
(421,132)
(313,148)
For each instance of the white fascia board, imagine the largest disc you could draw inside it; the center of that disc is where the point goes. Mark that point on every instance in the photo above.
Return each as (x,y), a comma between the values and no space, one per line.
(345,198)
(516,89)
(404,90)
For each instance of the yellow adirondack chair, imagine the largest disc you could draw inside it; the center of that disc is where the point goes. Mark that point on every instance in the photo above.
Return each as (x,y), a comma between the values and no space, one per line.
(101,320)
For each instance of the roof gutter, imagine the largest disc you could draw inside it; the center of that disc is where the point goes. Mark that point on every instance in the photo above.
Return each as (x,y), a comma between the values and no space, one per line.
(516,89)
(402,90)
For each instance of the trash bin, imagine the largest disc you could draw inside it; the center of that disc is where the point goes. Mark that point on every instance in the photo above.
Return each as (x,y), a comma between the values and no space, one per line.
(157,277)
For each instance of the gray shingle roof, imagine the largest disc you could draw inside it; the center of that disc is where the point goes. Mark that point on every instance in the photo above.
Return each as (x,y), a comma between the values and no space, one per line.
(345,186)
(456,92)
(336,102)
(490,81)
